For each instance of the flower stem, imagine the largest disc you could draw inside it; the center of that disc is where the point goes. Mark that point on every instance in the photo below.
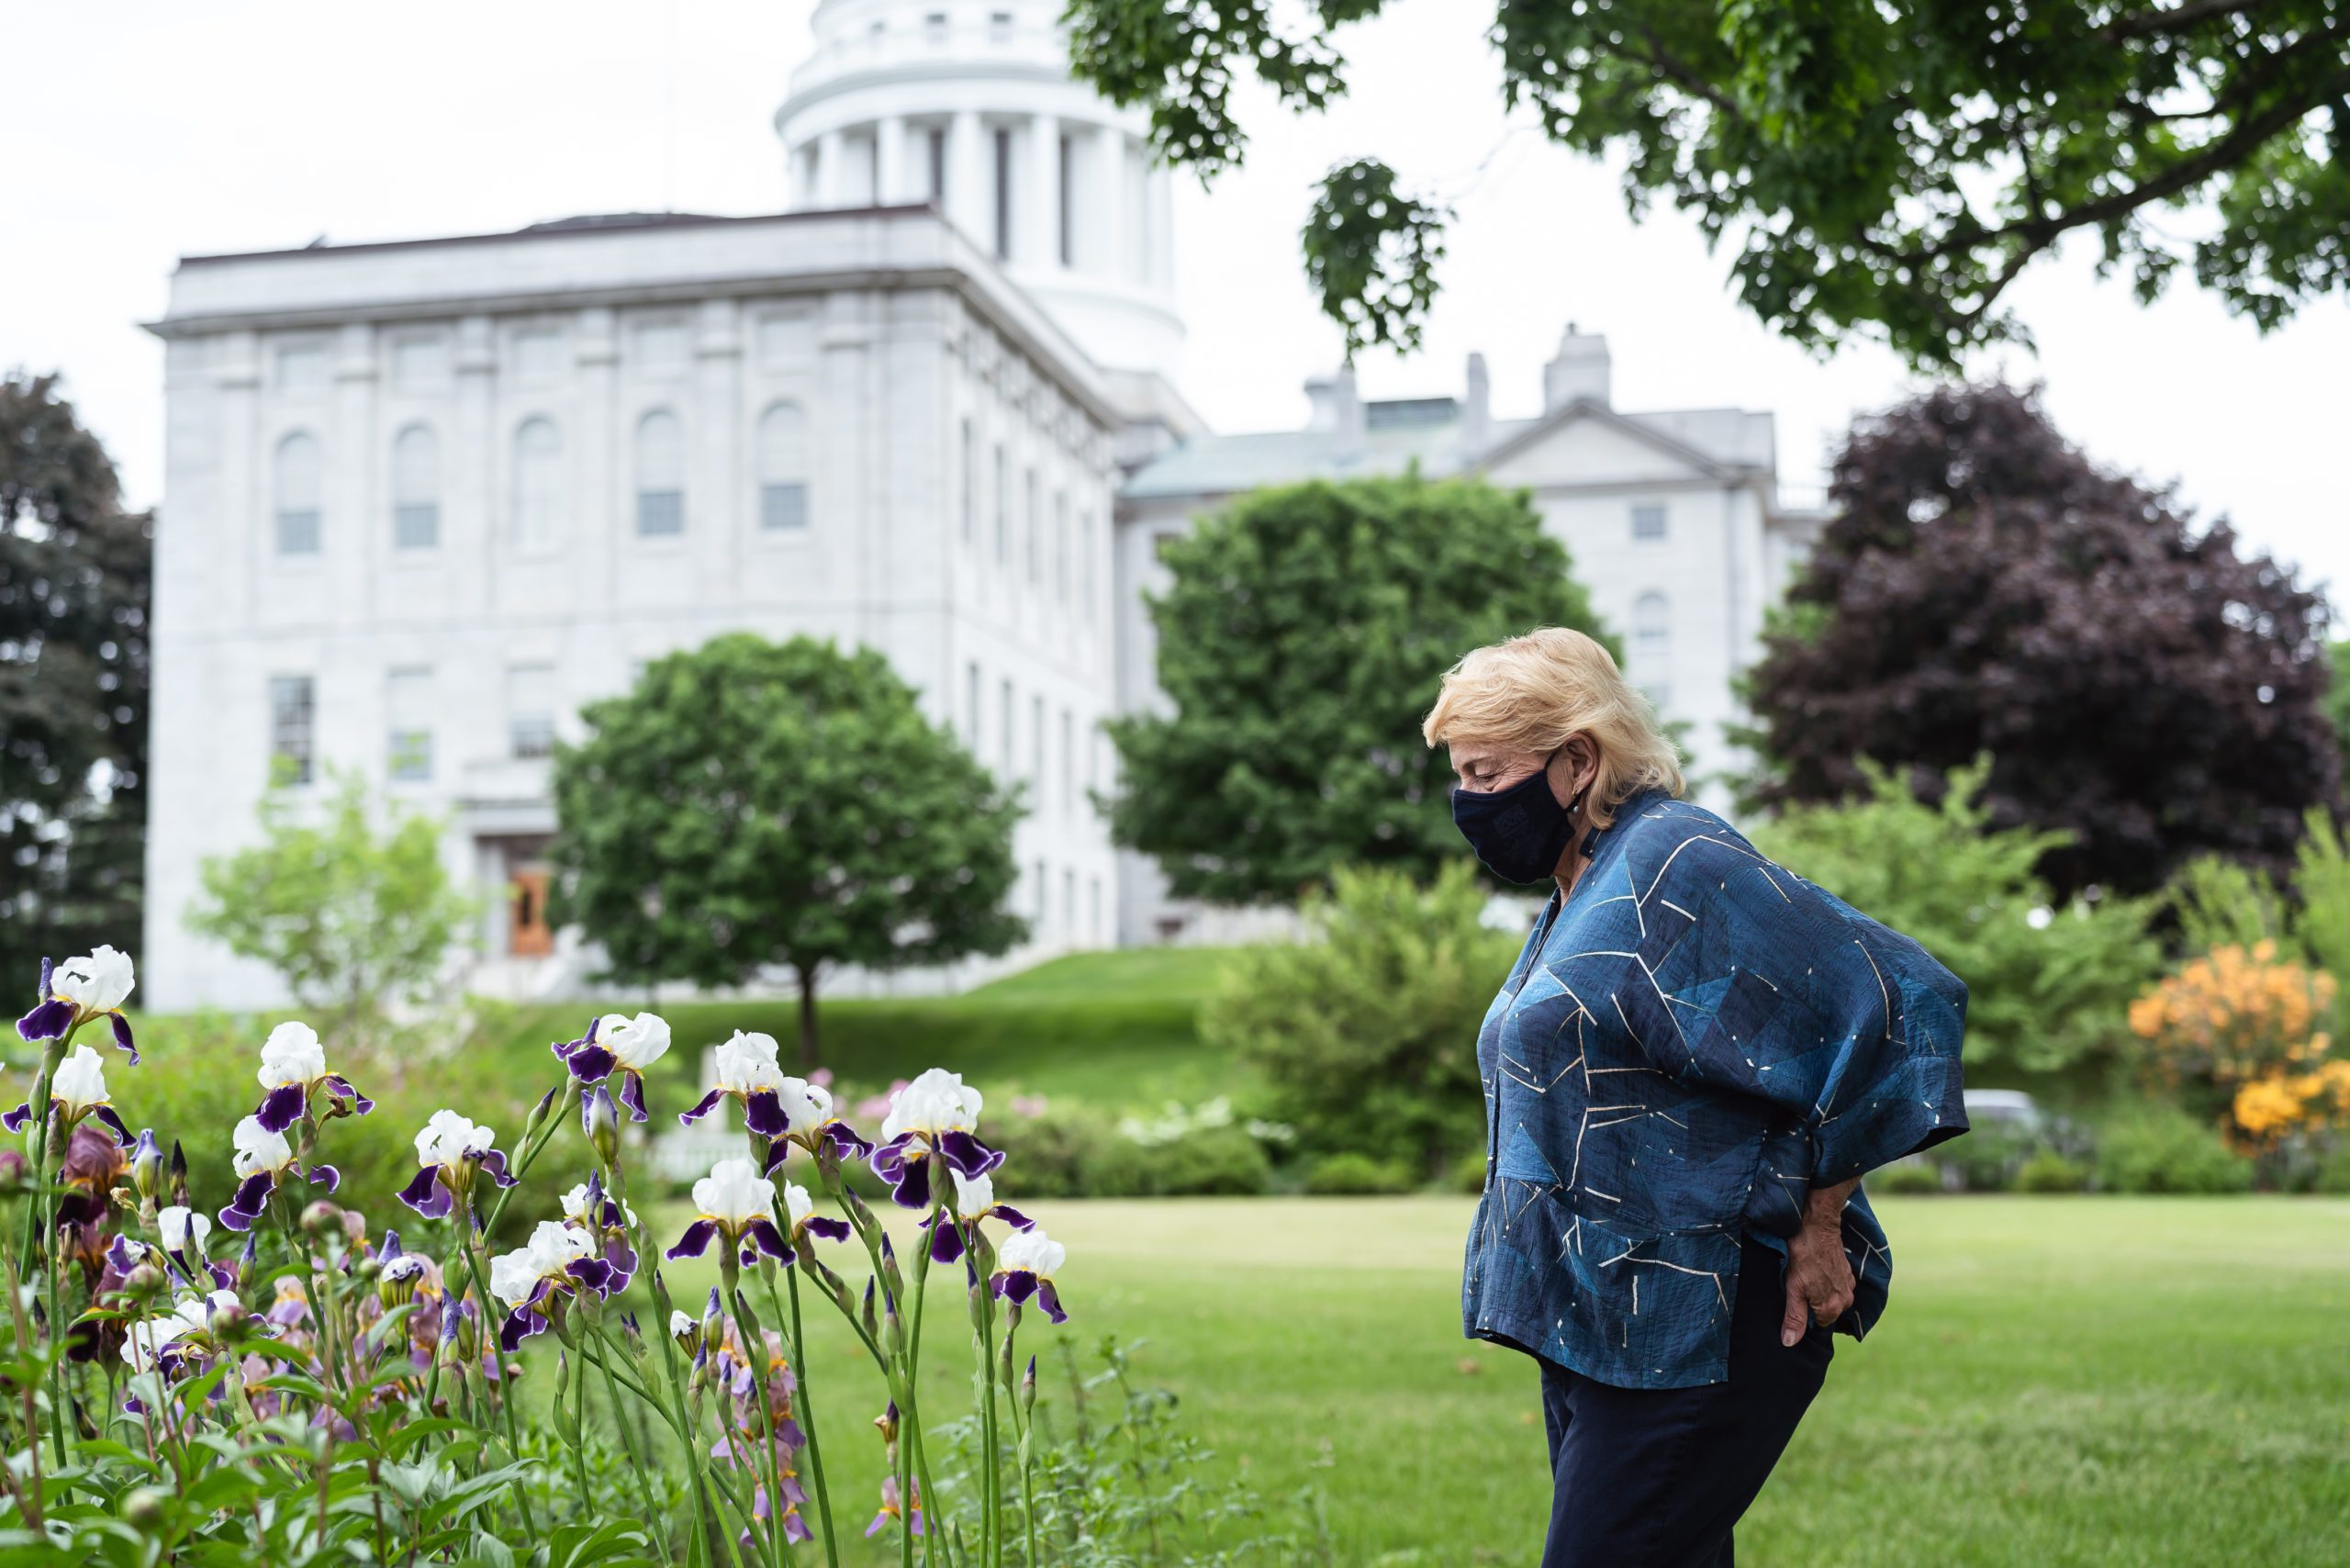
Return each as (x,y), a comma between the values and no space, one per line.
(808,1416)
(472,1248)
(640,1466)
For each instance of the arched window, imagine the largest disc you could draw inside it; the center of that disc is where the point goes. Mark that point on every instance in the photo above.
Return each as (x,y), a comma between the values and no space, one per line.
(783,468)
(660,475)
(416,489)
(298,483)
(537,505)
(1651,668)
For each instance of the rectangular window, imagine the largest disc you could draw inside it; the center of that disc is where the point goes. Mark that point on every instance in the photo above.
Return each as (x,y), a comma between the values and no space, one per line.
(291,708)
(1648,521)
(1003,196)
(660,513)
(1068,249)
(407,710)
(970,481)
(416,526)
(936,141)
(1000,27)
(1002,508)
(661,344)
(420,362)
(301,367)
(1036,526)
(538,353)
(1060,545)
(1005,741)
(781,507)
(297,531)
(529,709)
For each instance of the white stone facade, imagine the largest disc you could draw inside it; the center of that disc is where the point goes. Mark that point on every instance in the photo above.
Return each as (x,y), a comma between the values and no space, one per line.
(422,500)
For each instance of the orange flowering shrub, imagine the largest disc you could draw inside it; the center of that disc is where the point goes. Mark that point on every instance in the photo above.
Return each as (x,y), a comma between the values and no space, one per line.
(2239,1020)
(2278,1104)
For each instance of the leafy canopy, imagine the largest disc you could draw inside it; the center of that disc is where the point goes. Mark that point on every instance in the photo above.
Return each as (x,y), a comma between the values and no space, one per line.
(1299,644)
(2048,978)
(350,917)
(1367,1034)
(2143,688)
(1886,171)
(752,804)
(75,578)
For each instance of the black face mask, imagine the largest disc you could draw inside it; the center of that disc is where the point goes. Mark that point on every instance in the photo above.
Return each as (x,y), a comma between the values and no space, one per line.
(1519,833)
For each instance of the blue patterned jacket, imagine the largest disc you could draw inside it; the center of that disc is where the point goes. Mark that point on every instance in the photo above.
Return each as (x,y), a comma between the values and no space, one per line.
(1686,1046)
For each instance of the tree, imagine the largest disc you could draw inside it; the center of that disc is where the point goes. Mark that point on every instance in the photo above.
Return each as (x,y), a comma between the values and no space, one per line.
(751,804)
(2048,978)
(1985,588)
(74,575)
(1886,170)
(350,918)
(2337,697)
(1367,1035)
(1299,644)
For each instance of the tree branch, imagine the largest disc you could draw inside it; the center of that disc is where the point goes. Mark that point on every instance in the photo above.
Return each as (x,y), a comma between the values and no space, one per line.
(2149,23)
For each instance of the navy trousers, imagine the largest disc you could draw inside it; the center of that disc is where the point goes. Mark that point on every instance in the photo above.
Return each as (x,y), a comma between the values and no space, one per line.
(1656,1477)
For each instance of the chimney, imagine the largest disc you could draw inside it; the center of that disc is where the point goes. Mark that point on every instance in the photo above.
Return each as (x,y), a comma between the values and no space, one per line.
(1579,371)
(1337,408)
(1476,410)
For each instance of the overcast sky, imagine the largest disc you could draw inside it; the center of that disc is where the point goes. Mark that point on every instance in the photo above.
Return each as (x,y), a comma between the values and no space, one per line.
(140,130)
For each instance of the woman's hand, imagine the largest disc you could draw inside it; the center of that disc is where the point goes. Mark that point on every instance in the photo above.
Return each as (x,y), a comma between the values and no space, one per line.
(1820,1277)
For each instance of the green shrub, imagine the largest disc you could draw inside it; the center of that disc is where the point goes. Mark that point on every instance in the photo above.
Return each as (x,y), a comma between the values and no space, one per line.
(2047,981)
(1469,1173)
(1213,1162)
(2333,1172)
(1906,1176)
(1348,1173)
(1367,1034)
(1048,1156)
(2049,1171)
(1987,1158)
(1077,1153)
(2163,1150)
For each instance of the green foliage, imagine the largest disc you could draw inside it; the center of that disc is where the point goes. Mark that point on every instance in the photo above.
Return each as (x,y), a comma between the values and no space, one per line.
(2222,903)
(2337,696)
(1367,1034)
(1215,1163)
(1349,1172)
(2048,980)
(1371,253)
(2159,1148)
(2144,684)
(753,804)
(1906,1176)
(349,917)
(1468,1174)
(1074,1152)
(75,574)
(2333,1172)
(1880,172)
(2049,1171)
(1300,642)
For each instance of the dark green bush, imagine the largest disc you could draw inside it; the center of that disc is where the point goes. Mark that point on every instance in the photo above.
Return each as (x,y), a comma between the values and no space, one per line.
(1987,1158)
(2333,1170)
(1077,1153)
(1469,1173)
(2049,1171)
(2163,1150)
(1049,1156)
(1344,1173)
(1212,1162)
(1906,1176)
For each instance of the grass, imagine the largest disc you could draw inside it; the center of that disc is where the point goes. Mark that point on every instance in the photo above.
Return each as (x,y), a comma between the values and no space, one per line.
(2058,1380)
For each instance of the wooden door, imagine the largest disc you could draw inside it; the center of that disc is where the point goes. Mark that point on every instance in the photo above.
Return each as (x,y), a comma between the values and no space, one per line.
(528,934)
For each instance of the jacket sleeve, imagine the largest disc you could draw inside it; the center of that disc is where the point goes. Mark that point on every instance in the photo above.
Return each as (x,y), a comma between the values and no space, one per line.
(1777,990)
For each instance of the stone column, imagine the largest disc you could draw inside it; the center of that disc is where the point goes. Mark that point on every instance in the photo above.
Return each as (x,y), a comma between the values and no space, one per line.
(472,515)
(358,518)
(892,184)
(1101,215)
(243,536)
(1158,224)
(970,169)
(831,169)
(715,483)
(591,458)
(1037,205)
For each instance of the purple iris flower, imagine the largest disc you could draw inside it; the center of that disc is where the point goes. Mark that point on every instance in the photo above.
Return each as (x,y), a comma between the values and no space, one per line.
(749,1075)
(537,1280)
(262,1157)
(94,985)
(292,1068)
(452,1152)
(1025,1267)
(616,1044)
(974,1201)
(810,1122)
(935,1115)
(735,1206)
(77,1090)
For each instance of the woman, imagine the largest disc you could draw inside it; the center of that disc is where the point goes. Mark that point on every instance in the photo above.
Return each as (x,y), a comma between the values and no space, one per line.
(1692,1064)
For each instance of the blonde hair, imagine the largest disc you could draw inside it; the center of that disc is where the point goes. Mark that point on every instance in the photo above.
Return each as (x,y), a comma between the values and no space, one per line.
(1530,693)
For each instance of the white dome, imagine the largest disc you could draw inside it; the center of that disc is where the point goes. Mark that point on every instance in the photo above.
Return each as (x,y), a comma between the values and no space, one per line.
(969,105)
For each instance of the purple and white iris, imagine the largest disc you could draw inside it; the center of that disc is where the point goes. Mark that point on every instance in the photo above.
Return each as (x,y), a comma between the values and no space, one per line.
(974,1201)
(615,1044)
(292,1068)
(748,1074)
(1025,1267)
(735,1206)
(810,1122)
(535,1281)
(452,1152)
(163,1344)
(78,1090)
(94,985)
(937,1113)
(261,1157)
(801,1209)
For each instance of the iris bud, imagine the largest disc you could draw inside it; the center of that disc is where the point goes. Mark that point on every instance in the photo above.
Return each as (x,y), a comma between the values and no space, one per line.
(538,1117)
(142,1506)
(686,1332)
(320,1220)
(146,1166)
(891,1279)
(16,1173)
(601,1119)
(1028,1388)
(144,1283)
(178,1173)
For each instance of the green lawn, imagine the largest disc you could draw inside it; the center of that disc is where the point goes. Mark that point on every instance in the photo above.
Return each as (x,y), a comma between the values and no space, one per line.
(2058,1380)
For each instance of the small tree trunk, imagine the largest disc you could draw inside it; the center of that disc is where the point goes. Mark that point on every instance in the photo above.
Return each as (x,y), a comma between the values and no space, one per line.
(808,1016)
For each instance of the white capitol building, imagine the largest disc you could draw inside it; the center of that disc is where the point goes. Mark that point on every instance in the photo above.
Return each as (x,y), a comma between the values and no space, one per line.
(423,499)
